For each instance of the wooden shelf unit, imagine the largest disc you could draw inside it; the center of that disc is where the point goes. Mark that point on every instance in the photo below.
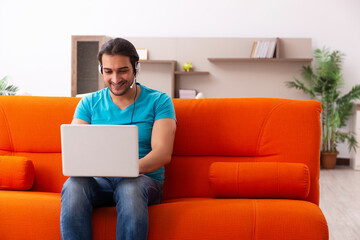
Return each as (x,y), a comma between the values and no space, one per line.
(276,57)
(297,51)
(158,61)
(191,73)
(174,73)
(260,59)
(172,70)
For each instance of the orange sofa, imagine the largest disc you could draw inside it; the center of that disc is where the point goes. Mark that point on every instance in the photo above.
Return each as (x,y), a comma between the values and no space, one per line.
(241,169)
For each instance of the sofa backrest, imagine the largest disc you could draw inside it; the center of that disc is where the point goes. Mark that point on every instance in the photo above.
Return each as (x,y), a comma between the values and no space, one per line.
(208,130)
(30,127)
(244,130)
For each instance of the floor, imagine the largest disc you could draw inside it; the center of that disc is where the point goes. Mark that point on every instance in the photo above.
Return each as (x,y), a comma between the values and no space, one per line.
(340,202)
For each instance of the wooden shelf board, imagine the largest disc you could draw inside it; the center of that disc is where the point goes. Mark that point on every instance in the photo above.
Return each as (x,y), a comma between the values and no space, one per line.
(157,61)
(260,59)
(191,73)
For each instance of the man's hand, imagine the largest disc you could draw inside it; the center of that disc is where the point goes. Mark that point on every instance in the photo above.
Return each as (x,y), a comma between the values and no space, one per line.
(162,141)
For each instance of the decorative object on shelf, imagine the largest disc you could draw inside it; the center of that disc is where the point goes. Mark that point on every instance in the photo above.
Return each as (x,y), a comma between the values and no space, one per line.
(143,53)
(5,88)
(191,73)
(187,93)
(187,66)
(323,83)
(200,95)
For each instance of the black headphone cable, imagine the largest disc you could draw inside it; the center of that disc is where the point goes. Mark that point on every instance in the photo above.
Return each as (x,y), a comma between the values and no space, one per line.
(132,115)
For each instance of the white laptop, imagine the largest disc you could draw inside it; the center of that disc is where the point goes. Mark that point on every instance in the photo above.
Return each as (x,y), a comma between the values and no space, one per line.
(100,150)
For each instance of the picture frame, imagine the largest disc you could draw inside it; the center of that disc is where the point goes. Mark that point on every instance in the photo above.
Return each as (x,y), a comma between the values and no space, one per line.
(143,53)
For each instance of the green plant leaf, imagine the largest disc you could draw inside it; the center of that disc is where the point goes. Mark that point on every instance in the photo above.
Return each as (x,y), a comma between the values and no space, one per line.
(341,137)
(299,85)
(6,89)
(324,81)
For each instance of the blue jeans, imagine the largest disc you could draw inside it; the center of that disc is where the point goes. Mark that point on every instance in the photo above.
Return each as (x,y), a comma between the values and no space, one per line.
(131,196)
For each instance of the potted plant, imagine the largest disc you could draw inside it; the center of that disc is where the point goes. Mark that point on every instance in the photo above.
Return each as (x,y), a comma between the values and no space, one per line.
(323,83)
(5,88)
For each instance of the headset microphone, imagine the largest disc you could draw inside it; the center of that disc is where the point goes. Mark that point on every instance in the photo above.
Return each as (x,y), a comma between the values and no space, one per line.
(134,81)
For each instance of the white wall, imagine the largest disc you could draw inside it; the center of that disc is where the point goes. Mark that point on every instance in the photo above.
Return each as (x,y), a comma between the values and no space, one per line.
(35,36)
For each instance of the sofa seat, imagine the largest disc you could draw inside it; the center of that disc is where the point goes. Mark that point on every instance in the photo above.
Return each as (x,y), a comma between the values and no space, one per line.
(29,215)
(210,218)
(37,215)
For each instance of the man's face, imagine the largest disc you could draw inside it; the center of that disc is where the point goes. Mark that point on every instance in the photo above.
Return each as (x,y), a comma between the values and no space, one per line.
(118,73)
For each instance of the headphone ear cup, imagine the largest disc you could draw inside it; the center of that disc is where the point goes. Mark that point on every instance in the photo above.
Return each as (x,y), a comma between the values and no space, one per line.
(137,66)
(100,69)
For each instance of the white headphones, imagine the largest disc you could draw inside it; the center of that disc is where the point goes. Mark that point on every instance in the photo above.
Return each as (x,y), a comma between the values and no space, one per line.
(137,66)
(132,85)
(100,69)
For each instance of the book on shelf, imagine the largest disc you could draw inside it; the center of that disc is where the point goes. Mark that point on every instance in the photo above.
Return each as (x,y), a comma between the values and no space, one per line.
(271,50)
(253,49)
(257,51)
(263,49)
(187,93)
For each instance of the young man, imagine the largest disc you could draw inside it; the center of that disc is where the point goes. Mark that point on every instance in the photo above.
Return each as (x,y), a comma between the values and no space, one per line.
(123,102)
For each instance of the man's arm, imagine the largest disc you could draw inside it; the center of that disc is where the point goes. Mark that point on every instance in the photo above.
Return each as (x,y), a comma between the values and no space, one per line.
(79,121)
(162,141)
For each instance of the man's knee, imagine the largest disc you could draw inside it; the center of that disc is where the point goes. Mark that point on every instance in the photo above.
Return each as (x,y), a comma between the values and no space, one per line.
(77,186)
(132,193)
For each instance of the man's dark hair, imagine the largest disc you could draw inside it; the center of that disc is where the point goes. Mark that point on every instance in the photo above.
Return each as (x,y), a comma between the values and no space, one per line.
(120,46)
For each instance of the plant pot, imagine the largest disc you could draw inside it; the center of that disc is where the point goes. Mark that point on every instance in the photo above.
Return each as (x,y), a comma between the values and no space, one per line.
(328,159)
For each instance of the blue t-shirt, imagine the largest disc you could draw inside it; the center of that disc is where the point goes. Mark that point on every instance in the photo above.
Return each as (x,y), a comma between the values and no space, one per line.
(151,105)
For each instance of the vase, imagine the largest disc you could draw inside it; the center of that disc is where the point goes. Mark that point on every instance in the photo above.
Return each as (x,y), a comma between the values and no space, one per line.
(328,159)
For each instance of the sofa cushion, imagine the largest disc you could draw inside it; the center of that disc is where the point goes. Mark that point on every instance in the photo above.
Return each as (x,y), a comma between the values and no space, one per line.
(259,180)
(215,218)
(16,173)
